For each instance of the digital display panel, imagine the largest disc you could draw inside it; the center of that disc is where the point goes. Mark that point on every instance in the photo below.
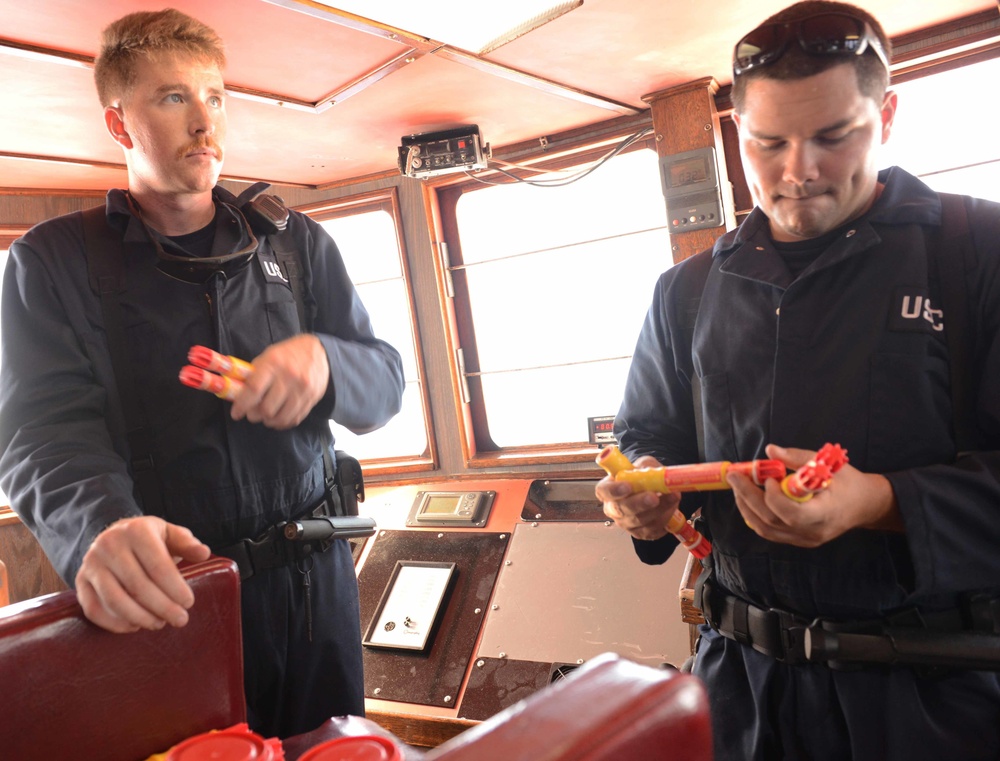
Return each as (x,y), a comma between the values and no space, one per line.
(442,504)
(688,172)
(450,508)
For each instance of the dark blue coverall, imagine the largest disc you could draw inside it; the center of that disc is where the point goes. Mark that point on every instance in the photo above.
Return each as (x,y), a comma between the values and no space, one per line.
(851,352)
(65,463)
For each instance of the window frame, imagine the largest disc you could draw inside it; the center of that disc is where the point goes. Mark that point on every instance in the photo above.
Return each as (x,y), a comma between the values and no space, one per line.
(387,200)
(10,233)
(577,148)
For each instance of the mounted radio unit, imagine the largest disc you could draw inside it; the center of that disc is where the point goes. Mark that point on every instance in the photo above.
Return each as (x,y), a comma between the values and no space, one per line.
(430,154)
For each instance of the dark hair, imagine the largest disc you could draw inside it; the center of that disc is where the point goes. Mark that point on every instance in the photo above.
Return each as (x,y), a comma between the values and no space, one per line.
(144,34)
(795,63)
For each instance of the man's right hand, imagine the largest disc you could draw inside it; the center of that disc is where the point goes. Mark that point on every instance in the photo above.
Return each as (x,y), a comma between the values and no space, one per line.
(129,578)
(644,515)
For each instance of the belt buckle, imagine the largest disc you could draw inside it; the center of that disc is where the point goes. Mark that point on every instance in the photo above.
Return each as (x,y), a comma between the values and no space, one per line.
(792,635)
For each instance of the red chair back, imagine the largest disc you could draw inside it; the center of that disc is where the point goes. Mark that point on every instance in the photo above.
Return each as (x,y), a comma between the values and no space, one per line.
(610,709)
(71,690)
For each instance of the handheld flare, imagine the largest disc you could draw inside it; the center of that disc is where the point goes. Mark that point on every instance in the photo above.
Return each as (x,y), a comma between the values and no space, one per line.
(223,364)
(816,474)
(222,386)
(619,467)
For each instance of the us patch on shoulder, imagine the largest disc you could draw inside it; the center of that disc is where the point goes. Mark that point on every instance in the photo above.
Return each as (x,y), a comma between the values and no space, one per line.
(911,311)
(271,268)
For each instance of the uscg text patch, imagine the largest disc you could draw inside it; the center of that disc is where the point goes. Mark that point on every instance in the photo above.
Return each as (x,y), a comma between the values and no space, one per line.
(911,311)
(269,265)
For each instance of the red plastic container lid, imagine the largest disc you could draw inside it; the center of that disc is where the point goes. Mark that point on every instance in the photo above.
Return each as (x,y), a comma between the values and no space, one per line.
(233,744)
(359,748)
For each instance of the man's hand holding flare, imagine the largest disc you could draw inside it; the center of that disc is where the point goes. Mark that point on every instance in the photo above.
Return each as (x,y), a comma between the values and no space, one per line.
(217,373)
(619,467)
(814,476)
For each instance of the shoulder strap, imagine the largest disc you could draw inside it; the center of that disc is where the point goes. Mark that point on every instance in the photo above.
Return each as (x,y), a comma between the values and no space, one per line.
(288,255)
(952,251)
(268,216)
(106,270)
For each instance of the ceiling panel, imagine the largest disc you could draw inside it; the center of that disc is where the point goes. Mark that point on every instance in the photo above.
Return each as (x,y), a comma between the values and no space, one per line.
(300,52)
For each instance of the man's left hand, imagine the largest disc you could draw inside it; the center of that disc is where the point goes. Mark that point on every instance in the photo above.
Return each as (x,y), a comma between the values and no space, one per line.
(287,381)
(852,500)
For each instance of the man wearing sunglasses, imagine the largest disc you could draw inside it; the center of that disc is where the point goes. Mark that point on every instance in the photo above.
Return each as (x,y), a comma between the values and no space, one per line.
(824,318)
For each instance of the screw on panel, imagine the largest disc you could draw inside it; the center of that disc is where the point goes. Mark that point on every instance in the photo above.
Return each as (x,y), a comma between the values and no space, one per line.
(477,611)
(377,690)
(440,536)
(480,664)
(447,698)
(538,515)
(507,562)
(501,655)
(503,536)
(495,607)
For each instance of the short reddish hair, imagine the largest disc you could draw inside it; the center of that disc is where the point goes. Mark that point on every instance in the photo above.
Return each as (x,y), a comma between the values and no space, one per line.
(144,34)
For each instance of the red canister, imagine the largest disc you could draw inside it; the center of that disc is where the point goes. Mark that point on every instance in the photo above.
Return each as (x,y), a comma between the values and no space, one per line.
(237,743)
(358,748)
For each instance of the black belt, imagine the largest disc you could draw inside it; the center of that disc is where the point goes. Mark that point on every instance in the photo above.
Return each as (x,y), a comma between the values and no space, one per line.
(960,637)
(271,549)
(774,632)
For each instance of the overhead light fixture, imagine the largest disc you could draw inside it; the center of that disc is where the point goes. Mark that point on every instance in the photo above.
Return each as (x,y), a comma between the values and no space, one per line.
(450,21)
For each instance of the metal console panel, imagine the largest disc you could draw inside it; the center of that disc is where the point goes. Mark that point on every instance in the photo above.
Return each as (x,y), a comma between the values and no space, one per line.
(570,591)
(432,676)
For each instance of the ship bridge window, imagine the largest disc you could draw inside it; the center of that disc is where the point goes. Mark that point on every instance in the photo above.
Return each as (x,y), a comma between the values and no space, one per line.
(936,137)
(367,232)
(552,280)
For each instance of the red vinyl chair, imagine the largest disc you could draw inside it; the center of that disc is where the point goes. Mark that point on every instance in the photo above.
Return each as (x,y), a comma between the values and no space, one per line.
(71,690)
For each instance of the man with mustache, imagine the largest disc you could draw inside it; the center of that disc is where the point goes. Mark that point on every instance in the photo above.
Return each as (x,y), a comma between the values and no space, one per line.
(211,477)
(824,318)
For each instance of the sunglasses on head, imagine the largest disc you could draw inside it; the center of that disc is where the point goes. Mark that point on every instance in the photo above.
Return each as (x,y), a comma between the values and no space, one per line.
(822,34)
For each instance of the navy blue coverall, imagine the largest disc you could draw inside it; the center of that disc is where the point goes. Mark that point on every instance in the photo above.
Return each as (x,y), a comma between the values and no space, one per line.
(65,462)
(852,352)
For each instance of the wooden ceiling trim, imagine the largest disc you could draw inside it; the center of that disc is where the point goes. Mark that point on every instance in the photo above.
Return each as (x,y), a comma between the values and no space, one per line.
(23,49)
(61,160)
(357,23)
(408,56)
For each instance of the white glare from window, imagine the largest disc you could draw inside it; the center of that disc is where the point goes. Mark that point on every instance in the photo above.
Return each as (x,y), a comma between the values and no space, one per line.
(560,279)
(367,242)
(944,131)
